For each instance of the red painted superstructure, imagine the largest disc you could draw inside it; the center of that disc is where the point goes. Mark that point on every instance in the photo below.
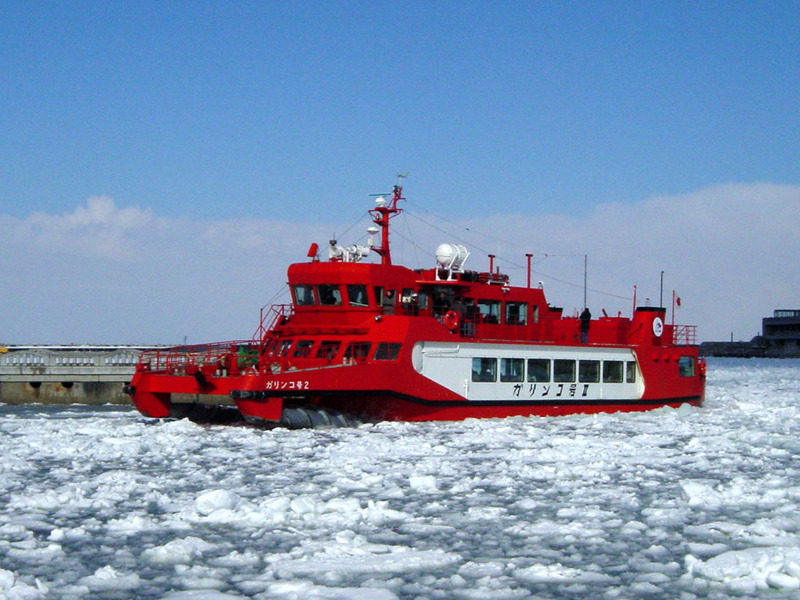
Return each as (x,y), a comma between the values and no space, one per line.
(380,341)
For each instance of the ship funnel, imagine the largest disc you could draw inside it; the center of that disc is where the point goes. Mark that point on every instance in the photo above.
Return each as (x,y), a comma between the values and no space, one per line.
(451,256)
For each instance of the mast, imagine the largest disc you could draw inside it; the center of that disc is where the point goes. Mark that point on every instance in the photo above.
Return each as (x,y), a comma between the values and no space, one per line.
(381,214)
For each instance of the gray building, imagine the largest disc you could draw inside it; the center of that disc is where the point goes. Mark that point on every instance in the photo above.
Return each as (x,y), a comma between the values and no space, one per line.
(780,338)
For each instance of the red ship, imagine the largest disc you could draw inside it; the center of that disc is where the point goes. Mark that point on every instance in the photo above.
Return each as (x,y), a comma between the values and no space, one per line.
(377,341)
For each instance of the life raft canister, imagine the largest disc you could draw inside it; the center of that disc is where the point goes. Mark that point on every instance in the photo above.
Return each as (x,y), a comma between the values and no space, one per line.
(451,320)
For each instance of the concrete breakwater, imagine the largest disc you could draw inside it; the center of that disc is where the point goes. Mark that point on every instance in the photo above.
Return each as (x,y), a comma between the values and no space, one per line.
(68,392)
(71,374)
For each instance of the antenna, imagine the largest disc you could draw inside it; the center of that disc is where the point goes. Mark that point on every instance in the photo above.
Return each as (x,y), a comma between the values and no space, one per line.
(383,211)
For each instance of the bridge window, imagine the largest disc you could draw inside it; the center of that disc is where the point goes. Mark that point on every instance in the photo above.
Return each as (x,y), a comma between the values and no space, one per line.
(630,371)
(273,347)
(516,313)
(303,295)
(484,369)
(563,370)
(686,366)
(303,348)
(328,349)
(489,310)
(539,370)
(387,351)
(329,295)
(357,351)
(589,371)
(357,295)
(612,371)
(512,369)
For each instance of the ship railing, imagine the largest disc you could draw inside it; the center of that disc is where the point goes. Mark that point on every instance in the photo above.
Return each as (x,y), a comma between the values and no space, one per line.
(684,335)
(270,318)
(210,359)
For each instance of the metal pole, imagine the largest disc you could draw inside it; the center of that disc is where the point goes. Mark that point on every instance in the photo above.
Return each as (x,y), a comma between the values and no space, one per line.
(661,293)
(529,269)
(585,268)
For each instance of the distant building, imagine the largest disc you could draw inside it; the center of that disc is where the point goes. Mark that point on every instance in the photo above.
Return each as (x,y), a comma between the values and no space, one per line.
(780,338)
(781,332)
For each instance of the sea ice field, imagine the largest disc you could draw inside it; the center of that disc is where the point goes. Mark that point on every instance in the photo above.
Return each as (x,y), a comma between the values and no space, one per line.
(681,503)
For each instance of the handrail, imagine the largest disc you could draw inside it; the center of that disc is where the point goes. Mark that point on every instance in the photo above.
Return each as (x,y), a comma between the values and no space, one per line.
(231,357)
(684,335)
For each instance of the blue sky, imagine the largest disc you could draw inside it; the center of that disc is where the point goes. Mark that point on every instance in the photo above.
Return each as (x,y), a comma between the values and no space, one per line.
(217,113)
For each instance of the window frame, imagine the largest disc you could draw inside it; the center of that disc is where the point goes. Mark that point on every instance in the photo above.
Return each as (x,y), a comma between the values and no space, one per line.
(559,376)
(547,363)
(588,371)
(336,294)
(613,371)
(521,317)
(478,374)
(308,290)
(517,367)
(388,351)
(353,290)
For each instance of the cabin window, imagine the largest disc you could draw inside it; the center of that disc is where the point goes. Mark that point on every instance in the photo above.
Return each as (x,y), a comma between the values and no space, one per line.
(357,351)
(686,366)
(272,347)
(539,370)
(329,295)
(489,310)
(387,351)
(630,371)
(328,349)
(612,371)
(283,350)
(512,369)
(410,300)
(516,313)
(484,369)
(563,370)
(589,371)
(378,295)
(303,348)
(303,295)
(422,300)
(357,295)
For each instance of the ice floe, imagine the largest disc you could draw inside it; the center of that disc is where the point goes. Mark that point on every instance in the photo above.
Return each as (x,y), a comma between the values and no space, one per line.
(689,503)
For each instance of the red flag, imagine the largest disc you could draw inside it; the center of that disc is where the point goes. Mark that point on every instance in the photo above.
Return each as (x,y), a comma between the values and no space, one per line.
(678,300)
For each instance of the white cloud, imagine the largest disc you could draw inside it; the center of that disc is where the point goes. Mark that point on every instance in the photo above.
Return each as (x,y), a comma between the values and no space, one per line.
(729,251)
(106,274)
(98,229)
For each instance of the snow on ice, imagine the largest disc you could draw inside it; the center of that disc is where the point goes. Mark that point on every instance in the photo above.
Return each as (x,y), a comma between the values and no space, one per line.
(687,503)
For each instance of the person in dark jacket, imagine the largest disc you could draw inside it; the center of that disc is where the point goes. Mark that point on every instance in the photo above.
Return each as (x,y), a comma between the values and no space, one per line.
(586,319)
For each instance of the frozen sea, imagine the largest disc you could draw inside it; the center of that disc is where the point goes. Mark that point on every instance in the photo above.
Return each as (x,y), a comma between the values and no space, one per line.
(689,503)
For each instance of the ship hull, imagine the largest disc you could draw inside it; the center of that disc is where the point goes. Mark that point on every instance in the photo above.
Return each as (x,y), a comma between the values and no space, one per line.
(439,381)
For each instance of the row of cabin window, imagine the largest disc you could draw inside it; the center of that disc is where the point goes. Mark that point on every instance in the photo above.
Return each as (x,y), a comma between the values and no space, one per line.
(357,295)
(329,349)
(516,313)
(544,370)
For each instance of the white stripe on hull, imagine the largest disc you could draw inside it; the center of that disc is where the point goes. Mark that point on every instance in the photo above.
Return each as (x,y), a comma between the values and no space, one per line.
(451,366)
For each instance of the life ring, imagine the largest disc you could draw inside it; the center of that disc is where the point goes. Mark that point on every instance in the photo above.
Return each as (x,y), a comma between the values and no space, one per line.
(451,320)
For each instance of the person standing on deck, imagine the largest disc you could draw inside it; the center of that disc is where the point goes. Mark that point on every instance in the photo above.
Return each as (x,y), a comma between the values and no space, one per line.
(586,318)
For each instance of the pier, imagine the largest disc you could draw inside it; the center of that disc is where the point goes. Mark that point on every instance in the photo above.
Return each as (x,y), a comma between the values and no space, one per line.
(67,374)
